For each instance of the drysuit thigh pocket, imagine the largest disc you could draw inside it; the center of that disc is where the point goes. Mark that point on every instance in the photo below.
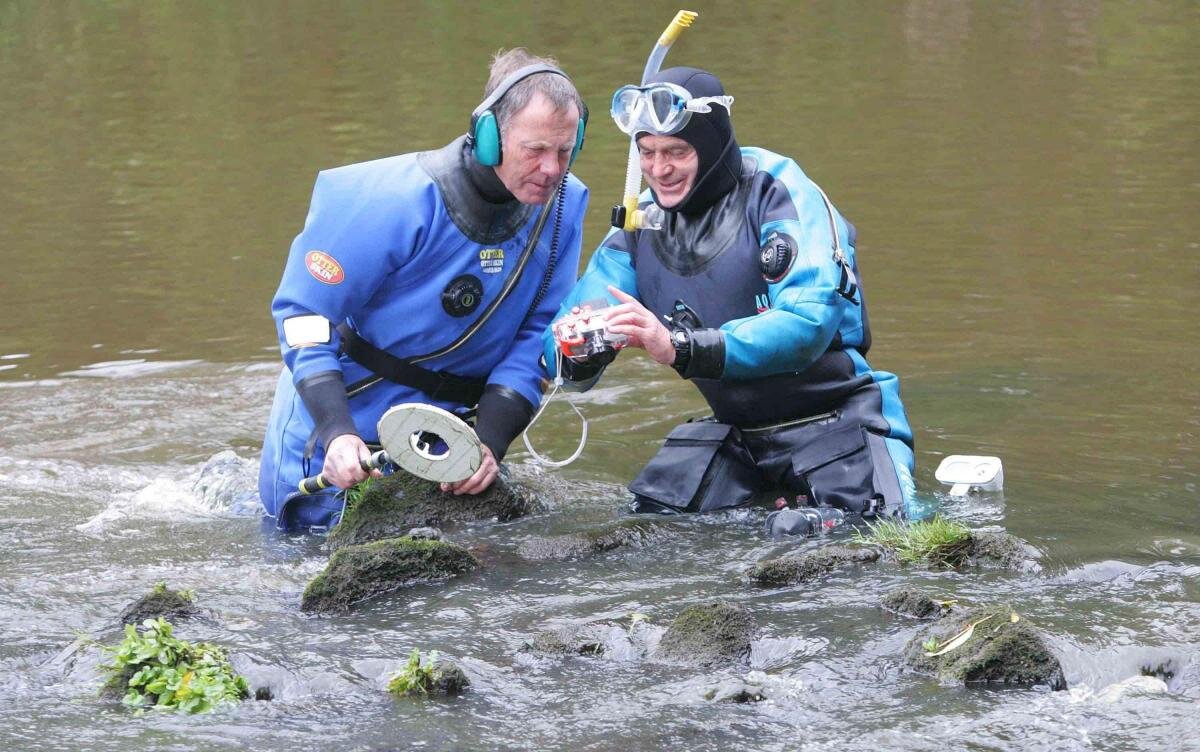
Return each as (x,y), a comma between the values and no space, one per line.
(701,467)
(836,469)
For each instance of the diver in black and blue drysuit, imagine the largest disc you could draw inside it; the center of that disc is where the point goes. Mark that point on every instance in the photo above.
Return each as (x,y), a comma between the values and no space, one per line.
(429,278)
(751,291)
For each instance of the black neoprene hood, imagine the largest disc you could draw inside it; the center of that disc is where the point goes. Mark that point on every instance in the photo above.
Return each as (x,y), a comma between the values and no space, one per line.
(711,135)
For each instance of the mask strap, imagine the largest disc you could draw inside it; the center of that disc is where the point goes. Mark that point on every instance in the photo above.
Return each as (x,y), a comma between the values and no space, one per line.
(558,380)
(704,104)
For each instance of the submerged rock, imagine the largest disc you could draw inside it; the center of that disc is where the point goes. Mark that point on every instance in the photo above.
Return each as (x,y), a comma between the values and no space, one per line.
(913,602)
(735,690)
(358,572)
(792,569)
(999,651)
(627,533)
(612,640)
(228,482)
(708,634)
(161,603)
(396,503)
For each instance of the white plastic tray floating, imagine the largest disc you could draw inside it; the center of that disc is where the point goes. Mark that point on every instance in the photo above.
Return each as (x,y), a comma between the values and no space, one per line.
(401,432)
(962,472)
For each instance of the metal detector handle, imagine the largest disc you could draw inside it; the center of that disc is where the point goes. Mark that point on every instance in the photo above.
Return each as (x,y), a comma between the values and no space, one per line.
(319,483)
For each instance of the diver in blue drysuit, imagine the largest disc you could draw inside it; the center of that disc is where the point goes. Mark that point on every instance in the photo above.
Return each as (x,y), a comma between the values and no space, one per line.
(753,281)
(397,259)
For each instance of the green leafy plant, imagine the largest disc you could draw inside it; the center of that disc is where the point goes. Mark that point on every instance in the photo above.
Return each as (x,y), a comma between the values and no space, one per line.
(160,589)
(937,541)
(161,671)
(414,677)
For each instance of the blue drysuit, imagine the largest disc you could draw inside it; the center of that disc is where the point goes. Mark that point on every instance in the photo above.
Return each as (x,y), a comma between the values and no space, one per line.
(778,329)
(408,252)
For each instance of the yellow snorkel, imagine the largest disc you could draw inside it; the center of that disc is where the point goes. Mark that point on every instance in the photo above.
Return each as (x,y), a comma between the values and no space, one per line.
(626,215)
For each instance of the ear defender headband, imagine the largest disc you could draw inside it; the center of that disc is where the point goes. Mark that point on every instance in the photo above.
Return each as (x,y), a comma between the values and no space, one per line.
(484,134)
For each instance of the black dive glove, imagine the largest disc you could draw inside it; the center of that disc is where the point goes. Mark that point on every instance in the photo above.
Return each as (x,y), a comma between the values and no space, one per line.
(589,367)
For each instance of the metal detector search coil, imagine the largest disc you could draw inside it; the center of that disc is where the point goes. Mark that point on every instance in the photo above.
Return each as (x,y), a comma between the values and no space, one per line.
(405,431)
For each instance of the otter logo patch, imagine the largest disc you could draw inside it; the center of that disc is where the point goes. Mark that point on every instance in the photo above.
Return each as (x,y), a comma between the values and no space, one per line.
(776,256)
(491,260)
(324,267)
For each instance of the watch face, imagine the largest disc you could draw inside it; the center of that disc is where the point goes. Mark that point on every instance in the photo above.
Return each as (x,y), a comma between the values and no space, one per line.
(681,337)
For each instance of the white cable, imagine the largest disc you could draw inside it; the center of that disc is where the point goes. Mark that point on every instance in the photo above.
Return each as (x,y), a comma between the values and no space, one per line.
(558,380)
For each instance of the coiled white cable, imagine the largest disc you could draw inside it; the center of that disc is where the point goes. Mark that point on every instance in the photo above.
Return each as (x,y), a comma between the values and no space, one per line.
(558,380)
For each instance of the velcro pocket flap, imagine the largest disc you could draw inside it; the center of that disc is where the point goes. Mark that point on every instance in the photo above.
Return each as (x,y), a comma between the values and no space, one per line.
(699,431)
(673,476)
(827,448)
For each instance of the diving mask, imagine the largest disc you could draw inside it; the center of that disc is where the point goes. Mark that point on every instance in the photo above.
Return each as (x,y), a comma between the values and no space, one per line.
(661,109)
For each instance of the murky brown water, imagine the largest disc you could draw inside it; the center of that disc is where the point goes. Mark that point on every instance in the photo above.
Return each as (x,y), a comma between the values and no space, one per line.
(1025,178)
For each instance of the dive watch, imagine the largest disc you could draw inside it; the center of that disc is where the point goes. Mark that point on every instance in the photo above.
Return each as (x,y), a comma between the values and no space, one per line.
(682,340)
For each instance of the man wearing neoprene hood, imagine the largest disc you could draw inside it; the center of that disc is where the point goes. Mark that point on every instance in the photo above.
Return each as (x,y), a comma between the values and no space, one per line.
(398,290)
(750,291)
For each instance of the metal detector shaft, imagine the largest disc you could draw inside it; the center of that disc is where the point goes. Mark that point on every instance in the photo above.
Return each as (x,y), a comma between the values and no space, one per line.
(319,483)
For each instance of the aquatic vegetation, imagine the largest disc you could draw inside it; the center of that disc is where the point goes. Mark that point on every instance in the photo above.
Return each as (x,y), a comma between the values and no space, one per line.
(414,678)
(156,669)
(937,541)
(430,676)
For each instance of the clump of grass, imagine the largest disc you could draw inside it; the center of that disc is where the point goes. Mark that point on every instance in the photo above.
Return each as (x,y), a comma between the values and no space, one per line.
(355,493)
(937,541)
(415,678)
(158,670)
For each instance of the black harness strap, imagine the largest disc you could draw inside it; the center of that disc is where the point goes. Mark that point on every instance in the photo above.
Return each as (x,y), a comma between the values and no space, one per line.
(439,385)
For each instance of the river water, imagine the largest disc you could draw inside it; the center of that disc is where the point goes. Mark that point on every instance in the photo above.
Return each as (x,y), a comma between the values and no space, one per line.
(1025,178)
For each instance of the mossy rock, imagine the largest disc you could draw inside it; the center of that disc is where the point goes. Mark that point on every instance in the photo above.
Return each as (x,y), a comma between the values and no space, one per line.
(359,572)
(624,534)
(999,651)
(444,678)
(1002,550)
(914,603)
(394,504)
(161,603)
(792,569)
(709,634)
(449,680)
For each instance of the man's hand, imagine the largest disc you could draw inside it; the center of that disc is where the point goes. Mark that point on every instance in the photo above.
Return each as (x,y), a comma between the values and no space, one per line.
(479,482)
(343,461)
(643,328)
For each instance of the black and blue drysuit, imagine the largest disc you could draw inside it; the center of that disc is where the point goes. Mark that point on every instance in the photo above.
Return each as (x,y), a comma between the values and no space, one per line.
(400,256)
(758,268)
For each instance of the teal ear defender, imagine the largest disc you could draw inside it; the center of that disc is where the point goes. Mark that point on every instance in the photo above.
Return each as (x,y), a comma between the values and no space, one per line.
(484,135)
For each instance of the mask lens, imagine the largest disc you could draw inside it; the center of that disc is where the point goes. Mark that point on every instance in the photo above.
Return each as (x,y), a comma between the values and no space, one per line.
(625,107)
(663,105)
